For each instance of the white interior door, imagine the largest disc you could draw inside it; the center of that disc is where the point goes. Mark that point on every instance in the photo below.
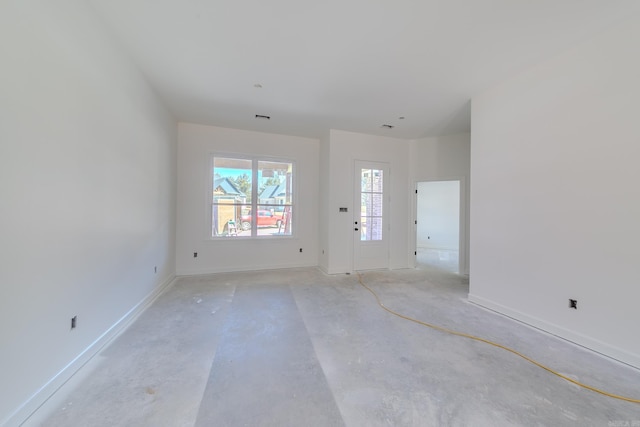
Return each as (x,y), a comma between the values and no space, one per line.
(371,213)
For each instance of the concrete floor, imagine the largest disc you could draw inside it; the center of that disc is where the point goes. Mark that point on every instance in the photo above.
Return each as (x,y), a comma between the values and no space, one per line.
(441,259)
(300,348)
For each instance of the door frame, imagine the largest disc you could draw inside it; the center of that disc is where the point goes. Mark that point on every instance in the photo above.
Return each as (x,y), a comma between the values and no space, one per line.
(463,265)
(386,208)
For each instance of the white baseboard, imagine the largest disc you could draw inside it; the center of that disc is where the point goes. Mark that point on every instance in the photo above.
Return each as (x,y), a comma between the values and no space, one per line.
(39,398)
(253,267)
(574,337)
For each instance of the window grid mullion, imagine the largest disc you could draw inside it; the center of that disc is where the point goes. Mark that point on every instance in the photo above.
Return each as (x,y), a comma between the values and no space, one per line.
(254,198)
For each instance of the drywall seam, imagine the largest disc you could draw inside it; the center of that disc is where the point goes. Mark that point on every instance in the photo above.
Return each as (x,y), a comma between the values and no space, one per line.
(40,397)
(587,342)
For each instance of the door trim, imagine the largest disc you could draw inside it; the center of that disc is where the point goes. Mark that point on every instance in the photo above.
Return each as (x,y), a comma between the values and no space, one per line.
(358,165)
(463,262)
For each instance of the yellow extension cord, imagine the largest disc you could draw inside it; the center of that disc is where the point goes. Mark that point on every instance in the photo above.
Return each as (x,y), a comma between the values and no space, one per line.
(495,344)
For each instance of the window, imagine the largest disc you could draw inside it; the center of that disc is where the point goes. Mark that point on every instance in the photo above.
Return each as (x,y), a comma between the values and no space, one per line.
(371,196)
(251,197)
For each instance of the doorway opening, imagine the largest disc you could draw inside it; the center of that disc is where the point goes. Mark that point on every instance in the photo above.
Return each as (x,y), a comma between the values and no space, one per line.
(438,225)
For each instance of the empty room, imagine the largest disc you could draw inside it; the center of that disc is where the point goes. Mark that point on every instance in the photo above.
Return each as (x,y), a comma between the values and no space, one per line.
(216,213)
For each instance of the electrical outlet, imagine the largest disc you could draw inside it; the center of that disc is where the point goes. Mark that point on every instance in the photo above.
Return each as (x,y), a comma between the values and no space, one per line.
(74,322)
(195,254)
(155,269)
(300,249)
(573,303)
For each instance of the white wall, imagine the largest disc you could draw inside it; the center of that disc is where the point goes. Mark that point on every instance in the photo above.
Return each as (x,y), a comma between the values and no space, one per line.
(87,190)
(196,145)
(445,158)
(438,208)
(343,149)
(555,198)
(325,205)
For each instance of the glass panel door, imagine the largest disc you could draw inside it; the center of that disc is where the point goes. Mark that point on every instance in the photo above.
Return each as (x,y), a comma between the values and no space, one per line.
(371,203)
(371,237)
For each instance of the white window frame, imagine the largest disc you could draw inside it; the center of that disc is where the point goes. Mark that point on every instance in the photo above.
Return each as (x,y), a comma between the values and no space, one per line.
(255,160)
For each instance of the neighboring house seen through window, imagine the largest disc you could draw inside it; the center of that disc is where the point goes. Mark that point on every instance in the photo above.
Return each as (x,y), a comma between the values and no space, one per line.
(251,197)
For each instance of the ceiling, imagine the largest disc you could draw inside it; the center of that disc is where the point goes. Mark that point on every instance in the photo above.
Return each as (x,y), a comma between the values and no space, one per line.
(344,64)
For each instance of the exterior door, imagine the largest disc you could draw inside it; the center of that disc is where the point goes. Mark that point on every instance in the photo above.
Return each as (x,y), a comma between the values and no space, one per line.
(371,213)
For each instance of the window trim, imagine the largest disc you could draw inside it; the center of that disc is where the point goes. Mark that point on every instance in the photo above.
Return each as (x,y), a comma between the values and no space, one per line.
(255,159)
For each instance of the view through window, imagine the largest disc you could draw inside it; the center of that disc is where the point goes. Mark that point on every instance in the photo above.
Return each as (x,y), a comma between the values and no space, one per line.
(251,197)
(371,196)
